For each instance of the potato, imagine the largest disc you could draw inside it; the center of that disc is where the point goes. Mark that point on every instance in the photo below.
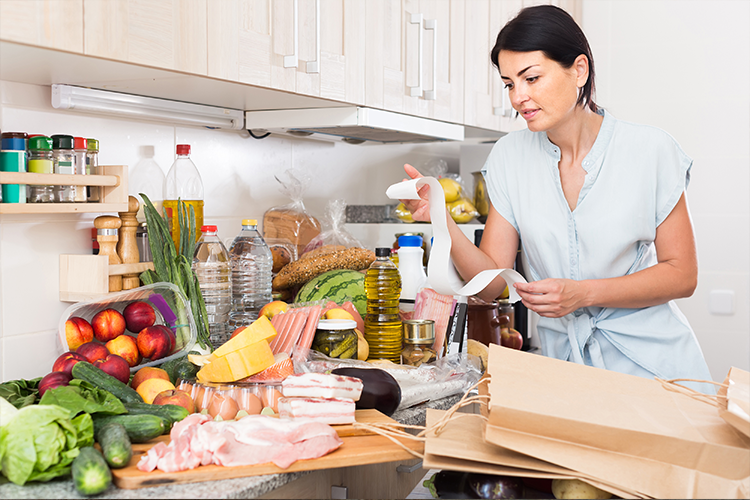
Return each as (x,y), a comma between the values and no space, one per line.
(575,488)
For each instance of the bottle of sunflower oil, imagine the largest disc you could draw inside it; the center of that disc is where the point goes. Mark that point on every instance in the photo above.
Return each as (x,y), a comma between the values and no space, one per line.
(383,327)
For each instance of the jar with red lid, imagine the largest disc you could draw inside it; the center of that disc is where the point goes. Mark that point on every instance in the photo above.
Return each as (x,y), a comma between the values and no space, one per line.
(80,149)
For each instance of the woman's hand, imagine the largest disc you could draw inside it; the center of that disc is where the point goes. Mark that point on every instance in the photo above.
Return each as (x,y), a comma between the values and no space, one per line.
(420,209)
(552,298)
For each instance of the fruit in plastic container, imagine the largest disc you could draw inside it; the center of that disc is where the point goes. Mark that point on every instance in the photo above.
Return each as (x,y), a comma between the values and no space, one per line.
(175,397)
(114,365)
(107,324)
(93,351)
(153,342)
(78,331)
(52,380)
(149,389)
(148,372)
(126,347)
(138,315)
(64,363)
(172,337)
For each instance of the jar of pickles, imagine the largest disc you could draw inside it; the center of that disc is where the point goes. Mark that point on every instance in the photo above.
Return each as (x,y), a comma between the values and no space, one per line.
(336,338)
(419,335)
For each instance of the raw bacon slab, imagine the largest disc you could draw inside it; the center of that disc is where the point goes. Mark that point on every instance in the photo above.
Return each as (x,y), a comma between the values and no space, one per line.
(321,385)
(329,411)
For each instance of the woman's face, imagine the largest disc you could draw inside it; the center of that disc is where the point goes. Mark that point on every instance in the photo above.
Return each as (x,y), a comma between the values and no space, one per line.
(541,90)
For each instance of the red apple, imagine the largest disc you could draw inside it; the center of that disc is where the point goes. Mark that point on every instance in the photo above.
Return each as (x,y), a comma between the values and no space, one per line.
(93,351)
(65,362)
(172,338)
(175,397)
(115,366)
(78,331)
(154,342)
(108,324)
(52,380)
(138,315)
(237,331)
(126,347)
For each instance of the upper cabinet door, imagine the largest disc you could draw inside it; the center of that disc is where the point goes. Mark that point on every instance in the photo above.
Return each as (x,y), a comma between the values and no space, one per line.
(169,34)
(46,23)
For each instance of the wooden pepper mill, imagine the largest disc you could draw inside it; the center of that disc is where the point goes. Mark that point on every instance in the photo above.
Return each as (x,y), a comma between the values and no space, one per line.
(127,247)
(106,234)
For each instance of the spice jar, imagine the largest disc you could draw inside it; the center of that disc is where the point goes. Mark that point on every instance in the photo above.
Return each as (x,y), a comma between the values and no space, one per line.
(92,168)
(80,148)
(336,338)
(40,162)
(419,335)
(63,158)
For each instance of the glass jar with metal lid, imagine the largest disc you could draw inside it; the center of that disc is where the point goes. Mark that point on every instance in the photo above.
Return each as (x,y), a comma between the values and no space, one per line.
(64,162)
(336,338)
(419,335)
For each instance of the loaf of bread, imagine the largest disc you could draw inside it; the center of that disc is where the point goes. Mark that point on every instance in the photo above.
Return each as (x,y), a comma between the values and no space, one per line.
(301,271)
(293,225)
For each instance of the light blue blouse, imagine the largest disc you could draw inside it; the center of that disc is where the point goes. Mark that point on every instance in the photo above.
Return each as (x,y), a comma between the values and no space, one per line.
(635,175)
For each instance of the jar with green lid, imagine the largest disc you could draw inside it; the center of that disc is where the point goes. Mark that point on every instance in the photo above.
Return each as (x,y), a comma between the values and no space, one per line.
(92,168)
(336,338)
(64,162)
(419,336)
(40,162)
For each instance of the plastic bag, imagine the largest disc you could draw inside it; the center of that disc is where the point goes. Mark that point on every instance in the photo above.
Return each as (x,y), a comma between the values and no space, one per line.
(452,374)
(336,236)
(292,221)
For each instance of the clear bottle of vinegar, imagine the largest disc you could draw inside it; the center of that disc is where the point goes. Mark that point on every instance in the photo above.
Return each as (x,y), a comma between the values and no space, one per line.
(383,327)
(183,183)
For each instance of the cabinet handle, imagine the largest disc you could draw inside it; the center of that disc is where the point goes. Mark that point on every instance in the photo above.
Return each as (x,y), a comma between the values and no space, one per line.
(314,66)
(291,61)
(431,24)
(502,110)
(417,91)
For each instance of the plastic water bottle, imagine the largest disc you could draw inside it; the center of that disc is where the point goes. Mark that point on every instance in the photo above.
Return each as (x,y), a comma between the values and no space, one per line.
(183,183)
(148,178)
(211,265)
(410,268)
(383,327)
(251,275)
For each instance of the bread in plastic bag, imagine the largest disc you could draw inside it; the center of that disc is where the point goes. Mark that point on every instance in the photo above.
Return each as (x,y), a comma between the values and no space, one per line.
(291,221)
(336,237)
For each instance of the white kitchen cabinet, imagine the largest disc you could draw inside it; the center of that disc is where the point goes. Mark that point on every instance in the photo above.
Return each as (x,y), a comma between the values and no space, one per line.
(169,34)
(45,23)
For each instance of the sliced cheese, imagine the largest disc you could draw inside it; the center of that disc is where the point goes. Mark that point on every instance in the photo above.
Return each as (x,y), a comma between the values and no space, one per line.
(238,364)
(260,329)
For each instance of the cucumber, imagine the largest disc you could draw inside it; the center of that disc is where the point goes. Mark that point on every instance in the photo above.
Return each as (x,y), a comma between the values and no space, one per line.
(170,413)
(140,428)
(88,372)
(91,474)
(115,443)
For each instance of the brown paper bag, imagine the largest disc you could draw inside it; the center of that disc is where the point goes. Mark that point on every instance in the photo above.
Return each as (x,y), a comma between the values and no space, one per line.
(618,428)
(460,446)
(734,400)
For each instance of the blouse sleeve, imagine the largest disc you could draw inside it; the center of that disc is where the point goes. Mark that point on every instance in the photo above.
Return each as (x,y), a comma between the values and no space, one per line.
(672,179)
(496,179)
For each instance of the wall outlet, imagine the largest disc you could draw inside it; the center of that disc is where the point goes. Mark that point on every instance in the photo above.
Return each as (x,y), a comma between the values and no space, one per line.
(721,302)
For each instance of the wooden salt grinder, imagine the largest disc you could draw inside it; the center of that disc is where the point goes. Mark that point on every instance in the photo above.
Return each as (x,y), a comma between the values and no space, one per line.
(106,234)
(127,247)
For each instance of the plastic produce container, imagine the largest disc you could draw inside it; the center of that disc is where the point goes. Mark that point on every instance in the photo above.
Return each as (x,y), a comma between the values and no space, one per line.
(265,393)
(172,310)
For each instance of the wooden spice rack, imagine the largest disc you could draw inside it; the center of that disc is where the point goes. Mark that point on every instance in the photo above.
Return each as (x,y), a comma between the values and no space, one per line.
(113,181)
(85,277)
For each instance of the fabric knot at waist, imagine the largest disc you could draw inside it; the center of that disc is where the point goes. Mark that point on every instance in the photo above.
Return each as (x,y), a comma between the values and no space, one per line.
(584,347)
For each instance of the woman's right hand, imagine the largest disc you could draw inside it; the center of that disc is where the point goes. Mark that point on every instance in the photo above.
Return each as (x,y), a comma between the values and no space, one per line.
(420,209)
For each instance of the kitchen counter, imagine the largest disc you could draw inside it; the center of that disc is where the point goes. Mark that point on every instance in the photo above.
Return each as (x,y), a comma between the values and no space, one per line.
(246,487)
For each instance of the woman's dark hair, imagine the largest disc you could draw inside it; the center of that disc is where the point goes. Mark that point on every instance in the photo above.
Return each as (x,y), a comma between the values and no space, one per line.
(554,32)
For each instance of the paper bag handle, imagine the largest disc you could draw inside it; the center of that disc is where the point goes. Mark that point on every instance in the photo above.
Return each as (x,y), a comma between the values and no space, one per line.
(714,400)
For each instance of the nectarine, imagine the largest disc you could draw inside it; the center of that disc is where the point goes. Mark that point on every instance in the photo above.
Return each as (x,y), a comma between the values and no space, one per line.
(126,347)
(148,372)
(153,342)
(148,389)
(108,324)
(64,363)
(78,331)
(138,315)
(115,366)
(93,351)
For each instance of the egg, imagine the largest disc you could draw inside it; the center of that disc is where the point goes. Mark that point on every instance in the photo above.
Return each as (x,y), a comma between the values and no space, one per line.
(250,403)
(203,397)
(271,398)
(223,406)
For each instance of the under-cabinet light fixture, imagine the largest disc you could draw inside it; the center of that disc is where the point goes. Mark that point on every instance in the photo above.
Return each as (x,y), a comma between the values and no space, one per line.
(148,108)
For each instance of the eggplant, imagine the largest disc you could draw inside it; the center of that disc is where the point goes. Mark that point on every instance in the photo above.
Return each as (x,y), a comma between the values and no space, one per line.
(380,390)
(450,484)
(494,486)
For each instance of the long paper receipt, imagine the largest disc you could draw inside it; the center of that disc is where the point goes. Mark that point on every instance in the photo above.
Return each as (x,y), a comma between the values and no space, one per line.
(441,273)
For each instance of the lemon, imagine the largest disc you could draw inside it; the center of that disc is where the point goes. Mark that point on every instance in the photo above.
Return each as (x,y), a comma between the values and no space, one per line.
(451,188)
(462,211)
(338,313)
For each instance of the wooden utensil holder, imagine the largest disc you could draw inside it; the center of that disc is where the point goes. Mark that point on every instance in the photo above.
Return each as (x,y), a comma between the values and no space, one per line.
(85,277)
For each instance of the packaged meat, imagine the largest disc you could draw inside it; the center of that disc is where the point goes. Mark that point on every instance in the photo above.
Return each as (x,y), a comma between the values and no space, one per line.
(321,385)
(330,411)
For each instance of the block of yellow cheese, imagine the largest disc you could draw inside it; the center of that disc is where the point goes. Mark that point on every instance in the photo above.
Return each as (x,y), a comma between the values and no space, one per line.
(260,329)
(238,364)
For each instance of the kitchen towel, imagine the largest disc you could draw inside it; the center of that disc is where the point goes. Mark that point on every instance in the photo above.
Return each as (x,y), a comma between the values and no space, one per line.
(441,273)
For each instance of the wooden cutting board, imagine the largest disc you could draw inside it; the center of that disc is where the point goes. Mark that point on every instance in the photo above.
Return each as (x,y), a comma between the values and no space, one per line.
(360,448)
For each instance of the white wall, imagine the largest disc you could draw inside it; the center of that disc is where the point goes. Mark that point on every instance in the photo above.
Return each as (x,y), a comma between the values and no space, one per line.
(238,177)
(684,66)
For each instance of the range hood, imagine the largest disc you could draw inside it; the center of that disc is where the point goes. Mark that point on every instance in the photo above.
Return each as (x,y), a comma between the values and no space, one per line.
(352,124)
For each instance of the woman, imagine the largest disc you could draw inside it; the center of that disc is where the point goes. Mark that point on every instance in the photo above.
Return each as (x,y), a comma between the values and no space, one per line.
(600,208)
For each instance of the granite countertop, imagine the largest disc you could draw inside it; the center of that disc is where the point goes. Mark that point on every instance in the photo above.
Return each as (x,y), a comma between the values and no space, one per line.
(245,487)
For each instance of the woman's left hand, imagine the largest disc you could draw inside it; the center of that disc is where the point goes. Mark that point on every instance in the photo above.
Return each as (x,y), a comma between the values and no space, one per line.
(552,298)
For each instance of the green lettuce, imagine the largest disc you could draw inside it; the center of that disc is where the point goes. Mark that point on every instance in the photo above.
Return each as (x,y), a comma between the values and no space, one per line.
(20,393)
(81,396)
(39,442)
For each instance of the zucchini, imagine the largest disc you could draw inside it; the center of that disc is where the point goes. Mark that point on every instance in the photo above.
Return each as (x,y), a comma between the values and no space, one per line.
(170,413)
(102,380)
(140,428)
(115,443)
(91,474)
